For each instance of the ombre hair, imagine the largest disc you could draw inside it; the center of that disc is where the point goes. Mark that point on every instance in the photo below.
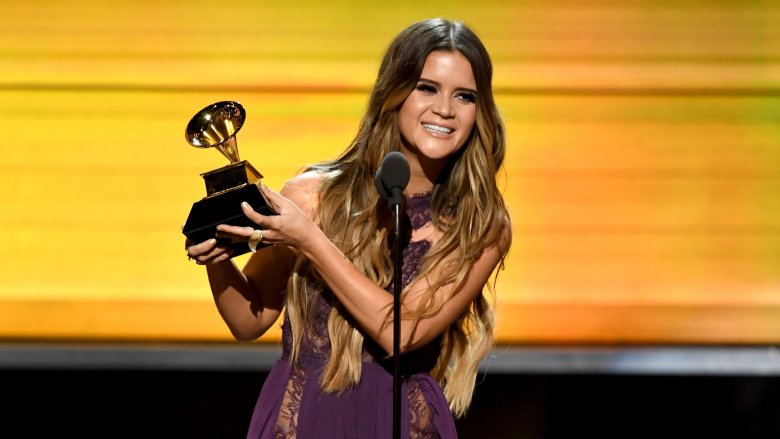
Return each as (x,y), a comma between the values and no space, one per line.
(467,210)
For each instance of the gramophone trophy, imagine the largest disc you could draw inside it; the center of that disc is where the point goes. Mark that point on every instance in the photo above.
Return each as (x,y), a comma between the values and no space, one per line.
(215,127)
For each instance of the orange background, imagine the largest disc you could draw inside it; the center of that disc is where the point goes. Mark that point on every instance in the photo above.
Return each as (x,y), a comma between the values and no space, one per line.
(642,174)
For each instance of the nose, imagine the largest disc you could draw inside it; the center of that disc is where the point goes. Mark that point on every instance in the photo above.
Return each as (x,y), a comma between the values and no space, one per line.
(443,108)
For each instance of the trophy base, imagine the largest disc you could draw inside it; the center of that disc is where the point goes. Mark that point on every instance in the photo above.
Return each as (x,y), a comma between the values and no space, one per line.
(230,176)
(225,208)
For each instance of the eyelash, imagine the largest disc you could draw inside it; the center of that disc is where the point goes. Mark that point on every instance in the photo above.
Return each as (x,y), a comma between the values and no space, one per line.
(431,89)
(468,97)
(426,88)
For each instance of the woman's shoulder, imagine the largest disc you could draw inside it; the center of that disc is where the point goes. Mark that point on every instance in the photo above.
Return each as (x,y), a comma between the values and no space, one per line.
(304,190)
(309,181)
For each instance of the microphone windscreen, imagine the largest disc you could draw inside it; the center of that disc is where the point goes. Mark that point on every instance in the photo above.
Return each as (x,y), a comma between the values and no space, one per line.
(380,186)
(394,171)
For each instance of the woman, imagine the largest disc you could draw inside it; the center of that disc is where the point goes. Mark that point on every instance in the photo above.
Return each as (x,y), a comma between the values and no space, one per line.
(331,264)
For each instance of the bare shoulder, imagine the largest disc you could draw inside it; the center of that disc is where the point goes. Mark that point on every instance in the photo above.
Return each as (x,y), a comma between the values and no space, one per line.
(304,191)
(505,241)
(305,184)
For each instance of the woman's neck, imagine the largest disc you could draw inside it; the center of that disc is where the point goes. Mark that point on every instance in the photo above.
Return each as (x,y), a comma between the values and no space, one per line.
(418,184)
(424,172)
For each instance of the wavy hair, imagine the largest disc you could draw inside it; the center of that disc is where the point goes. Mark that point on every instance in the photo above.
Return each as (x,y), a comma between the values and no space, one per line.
(466,208)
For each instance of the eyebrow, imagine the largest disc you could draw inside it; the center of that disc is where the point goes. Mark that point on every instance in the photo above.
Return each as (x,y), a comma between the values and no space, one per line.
(438,84)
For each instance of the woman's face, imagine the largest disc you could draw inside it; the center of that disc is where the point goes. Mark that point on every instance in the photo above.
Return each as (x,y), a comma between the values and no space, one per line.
(438,116)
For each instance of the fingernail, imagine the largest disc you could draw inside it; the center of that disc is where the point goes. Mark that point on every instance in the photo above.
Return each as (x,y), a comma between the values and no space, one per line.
(244,204)
(212,241)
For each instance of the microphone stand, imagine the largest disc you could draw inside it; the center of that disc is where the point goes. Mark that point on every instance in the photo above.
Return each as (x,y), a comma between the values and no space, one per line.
(397,272)
(391,179)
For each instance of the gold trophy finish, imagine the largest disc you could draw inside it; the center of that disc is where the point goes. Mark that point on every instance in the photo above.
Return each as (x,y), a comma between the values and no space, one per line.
(215,127)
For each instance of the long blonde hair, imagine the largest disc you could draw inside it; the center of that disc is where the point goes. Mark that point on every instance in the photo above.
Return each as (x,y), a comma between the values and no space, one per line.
(466,208)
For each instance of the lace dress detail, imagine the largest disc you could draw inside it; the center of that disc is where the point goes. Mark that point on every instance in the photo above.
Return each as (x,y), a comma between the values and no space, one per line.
(421,424)
(418,210)
(292,405)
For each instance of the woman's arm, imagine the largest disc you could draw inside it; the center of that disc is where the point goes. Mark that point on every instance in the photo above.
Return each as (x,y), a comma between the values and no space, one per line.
(249,301)
(369,304)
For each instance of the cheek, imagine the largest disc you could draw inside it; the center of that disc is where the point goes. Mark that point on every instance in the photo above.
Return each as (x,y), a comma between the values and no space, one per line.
(407,120)
(404,126)
(468,122)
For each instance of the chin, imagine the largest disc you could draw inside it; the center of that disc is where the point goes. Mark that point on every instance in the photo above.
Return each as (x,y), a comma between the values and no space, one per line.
(438,153)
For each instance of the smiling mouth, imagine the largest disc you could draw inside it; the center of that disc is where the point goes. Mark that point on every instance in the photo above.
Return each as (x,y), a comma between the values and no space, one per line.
(437,129)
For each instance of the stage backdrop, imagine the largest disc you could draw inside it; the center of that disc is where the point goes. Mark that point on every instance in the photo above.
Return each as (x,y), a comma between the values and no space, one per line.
(642,174)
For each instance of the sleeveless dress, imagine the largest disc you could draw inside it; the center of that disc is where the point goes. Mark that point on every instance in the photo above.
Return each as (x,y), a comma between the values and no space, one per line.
(292,405)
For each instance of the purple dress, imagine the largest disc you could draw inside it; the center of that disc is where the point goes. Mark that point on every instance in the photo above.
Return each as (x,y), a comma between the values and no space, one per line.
(291,404)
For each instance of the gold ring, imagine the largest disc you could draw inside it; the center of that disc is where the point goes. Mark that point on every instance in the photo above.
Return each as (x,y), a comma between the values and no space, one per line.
(255,239)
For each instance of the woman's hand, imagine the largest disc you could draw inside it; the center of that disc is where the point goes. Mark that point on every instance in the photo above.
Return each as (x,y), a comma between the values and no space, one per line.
(207,252)
(290,227)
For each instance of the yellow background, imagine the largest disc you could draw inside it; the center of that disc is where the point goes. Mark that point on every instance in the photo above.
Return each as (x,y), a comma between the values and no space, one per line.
(643,169)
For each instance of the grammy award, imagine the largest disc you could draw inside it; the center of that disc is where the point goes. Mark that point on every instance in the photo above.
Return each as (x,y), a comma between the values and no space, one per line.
(215,127)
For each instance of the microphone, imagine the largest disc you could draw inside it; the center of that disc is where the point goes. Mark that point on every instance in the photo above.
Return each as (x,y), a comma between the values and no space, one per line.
(392,177)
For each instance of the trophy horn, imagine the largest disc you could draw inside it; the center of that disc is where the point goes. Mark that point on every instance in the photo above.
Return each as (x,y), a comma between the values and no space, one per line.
(216,126)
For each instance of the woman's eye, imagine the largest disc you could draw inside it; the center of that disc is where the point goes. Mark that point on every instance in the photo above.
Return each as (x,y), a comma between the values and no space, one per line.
(467,97)
(426,88)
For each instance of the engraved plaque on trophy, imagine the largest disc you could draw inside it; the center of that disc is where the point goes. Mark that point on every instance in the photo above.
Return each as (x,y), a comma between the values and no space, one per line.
(215,127)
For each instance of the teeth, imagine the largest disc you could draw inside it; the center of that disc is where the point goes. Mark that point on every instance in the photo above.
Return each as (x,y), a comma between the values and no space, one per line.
(436,128)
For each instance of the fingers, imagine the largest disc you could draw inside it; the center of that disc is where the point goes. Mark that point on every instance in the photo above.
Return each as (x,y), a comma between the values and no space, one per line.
(218,254)
(222,257)
(194,250)
(208,252)
(234,233)
(275,201)
(271,197)
(256,218)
